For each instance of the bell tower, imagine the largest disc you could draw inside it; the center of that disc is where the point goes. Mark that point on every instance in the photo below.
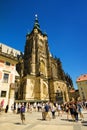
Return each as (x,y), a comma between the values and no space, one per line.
(39,79)
(36,54)
(36,64)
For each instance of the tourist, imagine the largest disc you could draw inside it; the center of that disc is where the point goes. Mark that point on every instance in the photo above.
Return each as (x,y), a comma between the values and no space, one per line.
(72,111)
(59,109)
(47,109)
(6,109)
(35,106)
(43,111)
(67,110)
(53,110)
(22,112)
(75,111)
(79,109)
(18,108)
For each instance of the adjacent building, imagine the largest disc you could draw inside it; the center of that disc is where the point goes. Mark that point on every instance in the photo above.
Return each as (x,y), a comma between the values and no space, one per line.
(82,86)
(8,73)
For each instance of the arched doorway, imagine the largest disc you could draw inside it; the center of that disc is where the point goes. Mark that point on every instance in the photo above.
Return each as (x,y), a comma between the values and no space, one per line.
(59,97)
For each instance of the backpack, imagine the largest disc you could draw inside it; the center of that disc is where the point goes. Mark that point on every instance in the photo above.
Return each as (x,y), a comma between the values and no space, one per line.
(22,109)
(46,108)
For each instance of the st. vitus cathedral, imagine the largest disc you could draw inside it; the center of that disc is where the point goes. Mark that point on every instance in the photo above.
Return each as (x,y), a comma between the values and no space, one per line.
(38,69)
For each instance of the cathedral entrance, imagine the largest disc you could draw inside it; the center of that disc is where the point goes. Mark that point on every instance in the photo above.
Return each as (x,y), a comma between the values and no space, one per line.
(59,97)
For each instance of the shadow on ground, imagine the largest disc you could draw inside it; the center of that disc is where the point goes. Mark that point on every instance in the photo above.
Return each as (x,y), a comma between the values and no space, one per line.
(68,120)
(84,123)
(17,123)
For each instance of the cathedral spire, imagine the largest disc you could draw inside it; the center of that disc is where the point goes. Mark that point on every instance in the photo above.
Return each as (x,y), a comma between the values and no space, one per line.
(36,17)
(36,23)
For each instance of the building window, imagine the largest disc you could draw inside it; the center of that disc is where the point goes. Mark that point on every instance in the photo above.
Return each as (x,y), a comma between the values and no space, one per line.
(5,78)
(3,93)
(7,63)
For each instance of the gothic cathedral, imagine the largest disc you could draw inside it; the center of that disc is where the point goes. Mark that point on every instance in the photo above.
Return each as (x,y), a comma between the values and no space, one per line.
(39,70)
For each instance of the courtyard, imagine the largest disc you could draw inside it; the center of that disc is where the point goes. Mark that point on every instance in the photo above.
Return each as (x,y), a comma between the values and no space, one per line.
(11,121)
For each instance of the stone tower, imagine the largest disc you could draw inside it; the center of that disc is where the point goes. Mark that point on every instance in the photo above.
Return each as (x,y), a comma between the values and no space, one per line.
(39,81)
(36,54)
(34,83)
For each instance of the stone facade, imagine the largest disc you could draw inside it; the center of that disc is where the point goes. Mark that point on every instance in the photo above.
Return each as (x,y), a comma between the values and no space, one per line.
(39,78)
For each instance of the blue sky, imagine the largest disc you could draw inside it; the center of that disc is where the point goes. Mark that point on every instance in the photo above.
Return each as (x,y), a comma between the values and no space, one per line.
(64,21)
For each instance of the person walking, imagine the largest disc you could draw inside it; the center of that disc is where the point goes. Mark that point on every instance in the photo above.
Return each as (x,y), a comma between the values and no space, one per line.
(22,113)
(47,108)
(43,111)
(75,111)
(6,109)
(67,110)
(79,109)
(59,110)
(71,111)
(53,110)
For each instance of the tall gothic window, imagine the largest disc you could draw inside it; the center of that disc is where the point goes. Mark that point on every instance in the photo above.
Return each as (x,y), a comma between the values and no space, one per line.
(42,67)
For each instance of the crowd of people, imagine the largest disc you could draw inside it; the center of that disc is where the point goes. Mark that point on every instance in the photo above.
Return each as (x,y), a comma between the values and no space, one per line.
(73,109)
(50,110)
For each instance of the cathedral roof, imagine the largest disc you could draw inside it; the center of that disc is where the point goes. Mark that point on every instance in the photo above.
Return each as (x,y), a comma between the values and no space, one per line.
(37,26)
(82,78)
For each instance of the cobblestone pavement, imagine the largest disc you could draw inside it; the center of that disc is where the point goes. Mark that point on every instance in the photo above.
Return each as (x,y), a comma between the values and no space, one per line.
(10,121)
